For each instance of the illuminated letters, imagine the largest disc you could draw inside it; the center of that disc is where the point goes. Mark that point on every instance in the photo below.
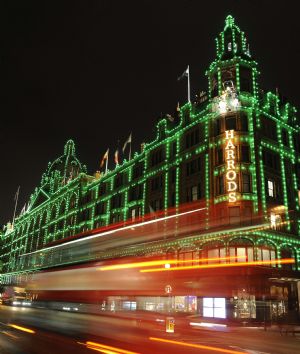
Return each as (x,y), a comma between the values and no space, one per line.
(230,166)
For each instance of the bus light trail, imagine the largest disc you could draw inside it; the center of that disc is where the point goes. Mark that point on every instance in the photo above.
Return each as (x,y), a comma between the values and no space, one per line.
(24,329)
(106,349)
(162,262)
(222,265)
(198,346)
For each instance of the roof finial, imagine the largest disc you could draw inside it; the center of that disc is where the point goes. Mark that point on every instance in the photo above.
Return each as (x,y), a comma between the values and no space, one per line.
(229,22)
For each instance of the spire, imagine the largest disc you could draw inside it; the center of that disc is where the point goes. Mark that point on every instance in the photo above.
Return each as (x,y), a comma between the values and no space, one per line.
(69,148)
(232,42)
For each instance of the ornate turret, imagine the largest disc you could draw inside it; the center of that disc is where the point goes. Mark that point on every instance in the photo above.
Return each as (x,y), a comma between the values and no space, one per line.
(233,66)
(66,165)
(232,42)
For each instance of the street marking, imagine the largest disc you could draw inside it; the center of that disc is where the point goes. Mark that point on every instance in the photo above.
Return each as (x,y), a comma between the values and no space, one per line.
(216,349)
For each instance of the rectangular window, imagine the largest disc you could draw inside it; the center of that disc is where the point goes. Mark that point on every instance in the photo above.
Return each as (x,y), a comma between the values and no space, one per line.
(192,138)
(230,123)
(220,185)
(157,157)
(173,149)
(271,188)
(246,183)
(194,193)
(133,214)
(244,123)
(220,157)
(245,153)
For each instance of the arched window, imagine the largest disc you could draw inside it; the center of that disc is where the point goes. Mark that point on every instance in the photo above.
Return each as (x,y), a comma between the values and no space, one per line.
(241,250)
(188,256)
(266,252)
(213,253)
(287,252)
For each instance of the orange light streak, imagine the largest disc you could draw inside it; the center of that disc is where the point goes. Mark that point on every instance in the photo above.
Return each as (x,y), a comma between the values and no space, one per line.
(107,349)
(222,265)
(161,262)
(199,346)
(24,329)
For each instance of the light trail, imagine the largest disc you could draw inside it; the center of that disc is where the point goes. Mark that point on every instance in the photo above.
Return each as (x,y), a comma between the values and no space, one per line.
(129,227)
(107,349)
(162,262)
(222,265)
(198,346)
(24,329)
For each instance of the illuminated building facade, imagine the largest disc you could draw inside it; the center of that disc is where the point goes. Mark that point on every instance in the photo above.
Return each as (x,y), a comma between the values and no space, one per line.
(236,149)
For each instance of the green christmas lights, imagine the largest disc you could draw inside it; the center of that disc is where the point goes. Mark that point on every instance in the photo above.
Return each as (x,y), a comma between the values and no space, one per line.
(56,205)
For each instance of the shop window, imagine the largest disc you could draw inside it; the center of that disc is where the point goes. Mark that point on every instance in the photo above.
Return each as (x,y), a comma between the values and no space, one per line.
(241,250)
(215,254)
(266,253)
(129,305)
(214,307)
(188,257)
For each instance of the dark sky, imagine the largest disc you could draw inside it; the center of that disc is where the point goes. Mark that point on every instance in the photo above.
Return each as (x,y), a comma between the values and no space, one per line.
(95,70)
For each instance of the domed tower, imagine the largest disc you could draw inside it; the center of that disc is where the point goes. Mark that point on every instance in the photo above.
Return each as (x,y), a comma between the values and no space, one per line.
(233,67)
(64,168)
(232,78)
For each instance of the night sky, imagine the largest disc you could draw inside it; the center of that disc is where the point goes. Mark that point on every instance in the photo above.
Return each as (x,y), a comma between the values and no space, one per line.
(94,71)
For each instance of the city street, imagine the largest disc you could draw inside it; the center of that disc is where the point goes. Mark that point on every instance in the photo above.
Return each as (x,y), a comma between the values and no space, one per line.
(62,332)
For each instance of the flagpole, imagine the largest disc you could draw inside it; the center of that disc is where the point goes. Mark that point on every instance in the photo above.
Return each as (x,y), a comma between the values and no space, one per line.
(16,203)
(189,87)
(106,164)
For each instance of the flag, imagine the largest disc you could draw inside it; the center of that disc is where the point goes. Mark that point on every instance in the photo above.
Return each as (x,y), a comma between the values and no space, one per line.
(185,74)
(17,194)
(105,157)
(117,157)
(128,141)
(170,118)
